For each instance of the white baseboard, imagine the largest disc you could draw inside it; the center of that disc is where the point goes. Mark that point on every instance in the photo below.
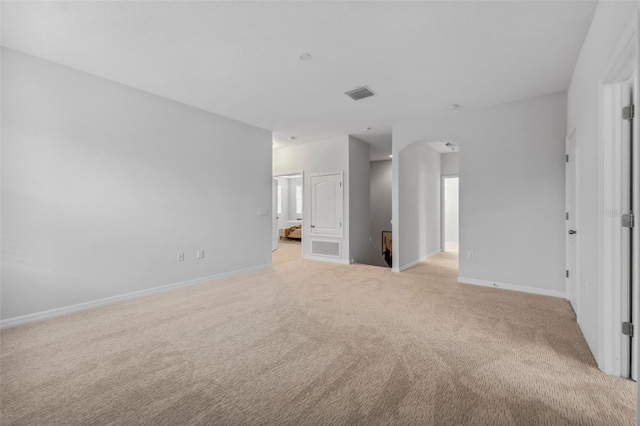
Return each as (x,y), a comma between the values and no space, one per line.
(326,259)
(415,262)
(39,316)
(513,287)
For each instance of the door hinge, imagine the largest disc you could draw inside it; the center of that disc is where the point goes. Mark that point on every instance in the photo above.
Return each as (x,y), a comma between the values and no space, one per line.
(340,184)
(627,329)
(566,158)
(567,215)
(567,273)
(628,112)
(627,220)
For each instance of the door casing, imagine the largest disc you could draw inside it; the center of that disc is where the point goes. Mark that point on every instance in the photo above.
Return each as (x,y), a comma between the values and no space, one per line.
(615,261)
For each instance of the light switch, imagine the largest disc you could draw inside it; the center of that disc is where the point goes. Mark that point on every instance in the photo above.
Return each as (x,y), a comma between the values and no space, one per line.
(263,212)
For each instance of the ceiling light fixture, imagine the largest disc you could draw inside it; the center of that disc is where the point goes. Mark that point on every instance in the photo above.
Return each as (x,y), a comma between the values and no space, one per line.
(305,57)
(391,156)
(364,129)
(453,107)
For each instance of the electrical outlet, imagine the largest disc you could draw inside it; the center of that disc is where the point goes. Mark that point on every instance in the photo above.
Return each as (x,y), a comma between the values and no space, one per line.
(180,257)
(470,254)
(200,254)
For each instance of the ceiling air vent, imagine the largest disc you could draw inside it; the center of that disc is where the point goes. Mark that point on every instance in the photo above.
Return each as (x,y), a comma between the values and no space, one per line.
(359,93)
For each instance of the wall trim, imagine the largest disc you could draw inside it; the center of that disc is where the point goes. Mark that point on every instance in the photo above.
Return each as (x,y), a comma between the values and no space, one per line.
(415,262)
(79,307)
(513,287)
(326,259)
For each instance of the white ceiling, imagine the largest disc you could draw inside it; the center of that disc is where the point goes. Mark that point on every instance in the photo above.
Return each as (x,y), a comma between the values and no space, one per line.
(241,59)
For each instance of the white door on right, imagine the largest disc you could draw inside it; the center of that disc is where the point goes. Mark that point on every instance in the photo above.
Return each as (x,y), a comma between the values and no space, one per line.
(326,204)
(570,227)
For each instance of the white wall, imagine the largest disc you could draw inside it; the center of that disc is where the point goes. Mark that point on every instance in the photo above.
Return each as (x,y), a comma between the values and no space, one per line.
(380,193)
(511,190)
(318,157)
(610,22)
(360,250)
(451,211)
(450,163)
(102,186)
(419,189)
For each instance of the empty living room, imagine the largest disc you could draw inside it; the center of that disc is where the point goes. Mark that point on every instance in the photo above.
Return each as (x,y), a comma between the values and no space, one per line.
(240,213)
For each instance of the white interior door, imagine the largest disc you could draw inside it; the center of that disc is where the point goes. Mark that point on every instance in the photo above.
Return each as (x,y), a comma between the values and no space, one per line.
(274,214)
(626,244)
(326,204)
(571,232)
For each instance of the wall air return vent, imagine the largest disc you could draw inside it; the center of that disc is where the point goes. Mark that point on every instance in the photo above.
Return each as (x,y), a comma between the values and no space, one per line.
(326,248)
(359,93)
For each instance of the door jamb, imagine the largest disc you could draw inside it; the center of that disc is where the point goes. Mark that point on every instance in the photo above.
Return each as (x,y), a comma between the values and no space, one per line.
(622,67)
(576,282)
(297,172)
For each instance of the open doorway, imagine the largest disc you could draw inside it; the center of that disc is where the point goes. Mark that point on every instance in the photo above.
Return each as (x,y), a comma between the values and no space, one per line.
(450,213)
(289,217)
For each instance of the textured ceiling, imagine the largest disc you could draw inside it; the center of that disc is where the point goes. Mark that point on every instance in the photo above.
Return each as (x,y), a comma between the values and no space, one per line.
(241,60)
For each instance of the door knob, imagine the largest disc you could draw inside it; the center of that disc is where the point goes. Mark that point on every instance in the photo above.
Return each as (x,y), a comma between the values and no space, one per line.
(572,232)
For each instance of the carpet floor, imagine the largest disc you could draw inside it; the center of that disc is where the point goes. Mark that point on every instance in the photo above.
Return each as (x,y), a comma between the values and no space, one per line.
(311,343)
(286,252)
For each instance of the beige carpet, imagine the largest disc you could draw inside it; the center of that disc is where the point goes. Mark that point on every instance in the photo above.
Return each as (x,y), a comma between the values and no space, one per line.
(314,343)
(287,251)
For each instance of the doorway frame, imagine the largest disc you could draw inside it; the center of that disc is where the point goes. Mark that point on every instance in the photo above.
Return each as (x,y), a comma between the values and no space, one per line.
(296,172)
(443,178)
(612,290)
(573,134)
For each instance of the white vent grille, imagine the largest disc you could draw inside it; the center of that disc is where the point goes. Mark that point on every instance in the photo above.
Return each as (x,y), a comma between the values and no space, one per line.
(359,93)
(326,248)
